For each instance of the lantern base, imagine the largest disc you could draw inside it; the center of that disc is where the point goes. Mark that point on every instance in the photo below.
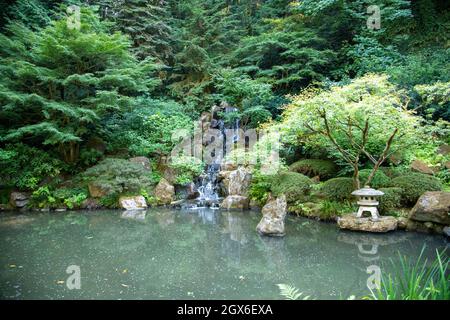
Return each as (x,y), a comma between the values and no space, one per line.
(373,212)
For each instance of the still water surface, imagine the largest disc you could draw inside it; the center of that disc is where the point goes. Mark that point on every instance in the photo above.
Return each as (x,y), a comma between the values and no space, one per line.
(202,254)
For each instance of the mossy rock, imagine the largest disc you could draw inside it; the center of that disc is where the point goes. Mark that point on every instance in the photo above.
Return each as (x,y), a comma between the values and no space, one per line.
(391,200)
(293,185)
(325,169)
(338,189)
(413,185)
(379,180)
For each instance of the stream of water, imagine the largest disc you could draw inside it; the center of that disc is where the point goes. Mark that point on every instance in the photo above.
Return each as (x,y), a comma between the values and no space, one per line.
(193,254)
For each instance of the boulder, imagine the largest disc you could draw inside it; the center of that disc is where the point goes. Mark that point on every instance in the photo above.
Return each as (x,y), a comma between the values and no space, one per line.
(235,202)
(170,175)
(272,222)
(164,192)
(351,222)
(19,200)
(191,191)
(239,182)
(133,203)
(144,161)
(422,167)
(228,166)
(97,191)
(432,206)
(224,180)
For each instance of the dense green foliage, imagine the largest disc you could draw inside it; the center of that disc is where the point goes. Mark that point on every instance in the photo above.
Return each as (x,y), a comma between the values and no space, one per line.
(379,180)
(132,72)
(338,189)
(413,185)
(116,176)
(292,184)
(325,169)
(391,199)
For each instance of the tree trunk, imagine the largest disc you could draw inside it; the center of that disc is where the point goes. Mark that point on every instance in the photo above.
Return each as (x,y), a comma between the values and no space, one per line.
(356,182)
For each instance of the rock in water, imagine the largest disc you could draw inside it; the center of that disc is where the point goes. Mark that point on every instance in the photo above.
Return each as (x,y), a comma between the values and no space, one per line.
(433,206)
(351,222)
(272,222)
(133,203)
(235,202)
(19,199)
(239,182)
(164,192)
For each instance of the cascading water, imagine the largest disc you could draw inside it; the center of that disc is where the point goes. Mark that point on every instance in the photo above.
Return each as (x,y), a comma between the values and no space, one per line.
(207,186)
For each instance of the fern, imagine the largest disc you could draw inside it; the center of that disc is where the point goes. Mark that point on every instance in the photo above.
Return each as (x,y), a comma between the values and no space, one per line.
(291,293)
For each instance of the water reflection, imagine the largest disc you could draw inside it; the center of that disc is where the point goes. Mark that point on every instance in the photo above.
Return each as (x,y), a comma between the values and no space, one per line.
(138,215)
(204,254)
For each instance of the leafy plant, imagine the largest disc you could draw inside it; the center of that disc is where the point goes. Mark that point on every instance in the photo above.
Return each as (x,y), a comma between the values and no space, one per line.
(187,168)
(379,179)
(260,188)
(291,293)
(416,280)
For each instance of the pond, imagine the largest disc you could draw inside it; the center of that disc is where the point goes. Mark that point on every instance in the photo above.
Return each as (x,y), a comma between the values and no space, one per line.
(195,254)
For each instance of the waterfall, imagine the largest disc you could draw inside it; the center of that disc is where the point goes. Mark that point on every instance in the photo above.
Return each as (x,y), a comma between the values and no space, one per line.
(207,185)
(208,188)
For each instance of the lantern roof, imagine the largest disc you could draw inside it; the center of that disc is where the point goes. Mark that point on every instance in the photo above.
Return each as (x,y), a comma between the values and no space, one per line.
(367,192)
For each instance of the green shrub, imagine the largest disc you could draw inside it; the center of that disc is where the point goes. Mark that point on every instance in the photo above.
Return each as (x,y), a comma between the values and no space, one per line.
(110,201)
(325,169)
(391,200)
(45,197)
(379,180)
(186,168)
(260,188)
(414,185)
(25,167)
(332,209)
(117,176)
(338,189)
(292,184)
(70,197)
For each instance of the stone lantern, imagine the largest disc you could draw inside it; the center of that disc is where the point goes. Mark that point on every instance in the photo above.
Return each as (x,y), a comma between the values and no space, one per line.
(367,200)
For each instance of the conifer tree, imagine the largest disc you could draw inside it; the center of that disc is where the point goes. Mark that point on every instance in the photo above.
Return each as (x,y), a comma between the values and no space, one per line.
(58,83)
(147,24)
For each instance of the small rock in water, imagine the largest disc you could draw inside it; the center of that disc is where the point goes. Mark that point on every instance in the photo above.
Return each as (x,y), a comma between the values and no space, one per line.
(272,222)
(133,203)
(383,224)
